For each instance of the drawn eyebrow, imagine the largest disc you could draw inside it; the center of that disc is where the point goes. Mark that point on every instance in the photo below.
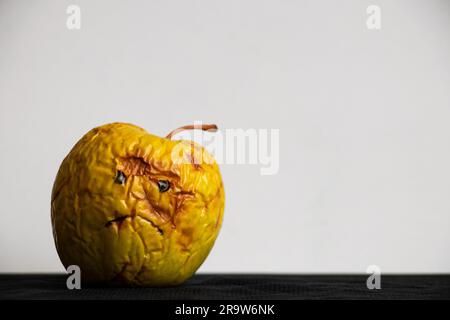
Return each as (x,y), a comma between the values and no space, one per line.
(138,166)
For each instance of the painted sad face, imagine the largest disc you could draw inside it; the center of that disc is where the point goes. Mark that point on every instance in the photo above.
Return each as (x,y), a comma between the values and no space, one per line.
(126,209)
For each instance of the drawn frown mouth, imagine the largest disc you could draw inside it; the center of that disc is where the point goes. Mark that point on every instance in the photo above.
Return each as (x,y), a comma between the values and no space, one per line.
(116,220)
(119,220)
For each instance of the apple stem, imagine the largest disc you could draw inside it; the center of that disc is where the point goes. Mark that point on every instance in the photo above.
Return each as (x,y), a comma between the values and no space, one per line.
(204,127)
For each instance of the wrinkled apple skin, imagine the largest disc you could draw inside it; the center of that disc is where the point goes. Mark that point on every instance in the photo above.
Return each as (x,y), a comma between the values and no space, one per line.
(111,219)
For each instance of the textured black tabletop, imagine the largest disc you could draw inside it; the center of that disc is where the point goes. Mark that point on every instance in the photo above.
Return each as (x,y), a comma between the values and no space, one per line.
(236,287)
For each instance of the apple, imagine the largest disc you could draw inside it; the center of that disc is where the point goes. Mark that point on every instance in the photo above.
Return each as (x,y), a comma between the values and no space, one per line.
(132,208)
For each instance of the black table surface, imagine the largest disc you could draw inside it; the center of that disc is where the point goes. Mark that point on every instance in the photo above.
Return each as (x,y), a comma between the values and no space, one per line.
(235,287)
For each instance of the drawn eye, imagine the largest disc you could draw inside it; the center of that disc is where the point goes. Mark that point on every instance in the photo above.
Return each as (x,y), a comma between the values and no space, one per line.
(163,185)
(121,178)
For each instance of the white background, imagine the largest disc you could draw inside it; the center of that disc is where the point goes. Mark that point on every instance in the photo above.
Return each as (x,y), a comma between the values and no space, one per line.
(363,116)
